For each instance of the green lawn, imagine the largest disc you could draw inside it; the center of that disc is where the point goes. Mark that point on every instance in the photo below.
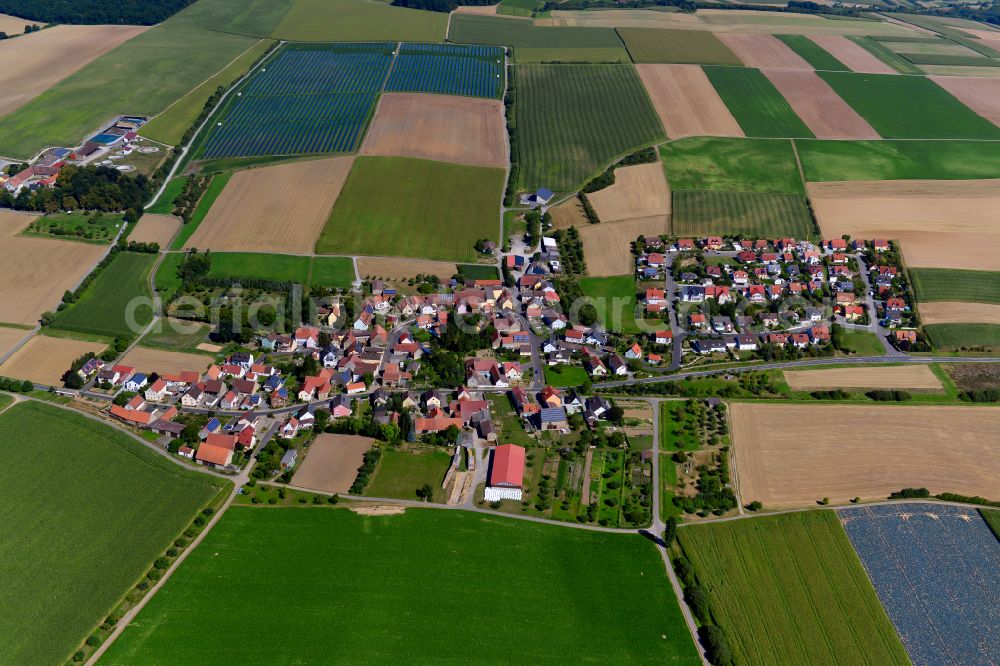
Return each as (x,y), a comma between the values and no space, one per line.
(169,126)
(992,518)
(668,485)
(909,107)
(615,300)
(98,227)
(466,29)
(85,515)
(964,336)
(944,284)
(399,206)
(697,47)
(104,307)
(332,272)
(511,429)
(212,192)
(366,589)
(400,473)
(898,160)
(863,343)
(142,76)
(755,103)
(165,203)
(812,602)
(478,272)
(813,53)
(573,120)
(757,214)
(674,436)
(731,165)
(565,376)
(164,336)
(359,21)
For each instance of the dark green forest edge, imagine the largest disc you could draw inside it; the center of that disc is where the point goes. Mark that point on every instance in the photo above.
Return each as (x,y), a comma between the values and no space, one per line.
(130,12)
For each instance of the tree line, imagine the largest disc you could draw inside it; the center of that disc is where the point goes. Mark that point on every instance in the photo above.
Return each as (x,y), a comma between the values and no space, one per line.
(129,12)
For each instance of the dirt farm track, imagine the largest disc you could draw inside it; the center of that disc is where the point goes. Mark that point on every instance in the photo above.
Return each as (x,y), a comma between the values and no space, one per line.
(795,455)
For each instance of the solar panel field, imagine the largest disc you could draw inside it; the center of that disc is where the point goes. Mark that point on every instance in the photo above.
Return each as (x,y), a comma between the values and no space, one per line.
(448,69)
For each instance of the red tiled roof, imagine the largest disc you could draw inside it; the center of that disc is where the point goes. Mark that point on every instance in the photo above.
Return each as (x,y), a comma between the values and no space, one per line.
(217,455)
(508,466)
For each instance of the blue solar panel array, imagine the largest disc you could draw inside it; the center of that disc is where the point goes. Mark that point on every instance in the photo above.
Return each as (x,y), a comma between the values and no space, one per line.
(448,69)
(936,569)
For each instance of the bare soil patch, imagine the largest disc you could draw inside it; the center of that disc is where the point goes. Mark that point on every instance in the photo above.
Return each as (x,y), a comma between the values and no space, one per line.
(35,272)
(484,10)
(332,463)
(155,229)
(763,51)
(819,107)
(145,359)
(463,130)
(209,347)
(852,55)
(953,312)
(44,360)
(878,377)
(34,63)
(982,95)
(939,223)
(274,209)
(795,455)
(393,268)
(10,337)
(638,191)
(607,246)
(686,101)
(568,214)
(377,509)
(974,376)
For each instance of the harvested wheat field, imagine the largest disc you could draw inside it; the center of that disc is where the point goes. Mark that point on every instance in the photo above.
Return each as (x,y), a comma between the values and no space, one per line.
(875,377)
(398,268)
(155,229)
(332,463)
(954,312)
(10,337)
(982,95)
(939,223)
(819,107)
(686,101)
(607,247)
(763,51)
(35,272)
(638,191)
(446,128)
(568,214)
(479,10)
(795,455)
(852,55)
(34,63)
(145,359)
(44,360)
(274,209)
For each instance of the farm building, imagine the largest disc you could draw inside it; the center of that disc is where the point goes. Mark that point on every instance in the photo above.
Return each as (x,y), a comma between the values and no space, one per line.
(506,473)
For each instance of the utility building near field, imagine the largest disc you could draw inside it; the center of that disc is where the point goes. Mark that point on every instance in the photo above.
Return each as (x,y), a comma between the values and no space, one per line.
(506,474)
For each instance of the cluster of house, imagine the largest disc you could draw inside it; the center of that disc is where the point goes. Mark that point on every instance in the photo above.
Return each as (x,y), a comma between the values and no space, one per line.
(543,263)
(550,408)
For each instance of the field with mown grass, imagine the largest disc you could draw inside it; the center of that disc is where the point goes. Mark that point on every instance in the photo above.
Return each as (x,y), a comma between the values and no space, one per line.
(898,160)
(756,104)
(614,300)
(963,336)
(164,204)
(370,588)
(944,284)
(401,472)
(813,53)
(103,306)
(565,375)
(359,21)
(812,602)
(698,47)
(87,512)
(468,29)
(731,165)
(754,214)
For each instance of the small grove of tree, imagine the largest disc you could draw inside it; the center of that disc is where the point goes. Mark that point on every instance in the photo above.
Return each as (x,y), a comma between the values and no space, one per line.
(16,385)
(425,492)
(92,188)
(911,493)
(886,395)
(670,531)
(367,468)
(717,650)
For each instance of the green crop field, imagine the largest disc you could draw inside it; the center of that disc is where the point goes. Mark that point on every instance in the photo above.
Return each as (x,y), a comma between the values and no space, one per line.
(142,76)
(898,160)
(103,308)
(573,120)
(813,53)
(696,47)
(399,206)
(963,336)
(886,55)
(531,55)
(366,589)
(992,518)
(359,21)
(212,192)
(615,301)
(400,473)
(944,284)
(518,7)
(953,60)
(812,601)
(755,103)
(165,203)
(909,107)
(176,335)
(754,214)
(169,127)
(731,165)
(255,18)
(87,512)
(332,272)
(467,29)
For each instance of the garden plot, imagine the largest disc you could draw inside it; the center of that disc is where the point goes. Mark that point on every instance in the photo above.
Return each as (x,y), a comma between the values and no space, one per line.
(826,114)
(849,53)
(919,377)
(954,312)
(639,191)
(438,127)
(44,360)
(161,361)
(158,229)
(686,101)
(607,247)
(35,272)
(763,51)
(935,570)
(982,95)
(332,463)
(940,224)
(274,209)
(795,455)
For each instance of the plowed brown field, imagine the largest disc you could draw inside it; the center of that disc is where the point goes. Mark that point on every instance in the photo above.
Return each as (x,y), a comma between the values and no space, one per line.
(568,214)
(34,63)
(852,55)
(607,247)
(763,51)
(639,191)
(446,128)
(982,95)
(952,312)
(35,272)
(795,455)
(10,337)
(160,361)
(939,223)
(155,229)
(393,268)
(686,101)
(332,463)
(43,360)
(877,377)
(274,209)
(819,107)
